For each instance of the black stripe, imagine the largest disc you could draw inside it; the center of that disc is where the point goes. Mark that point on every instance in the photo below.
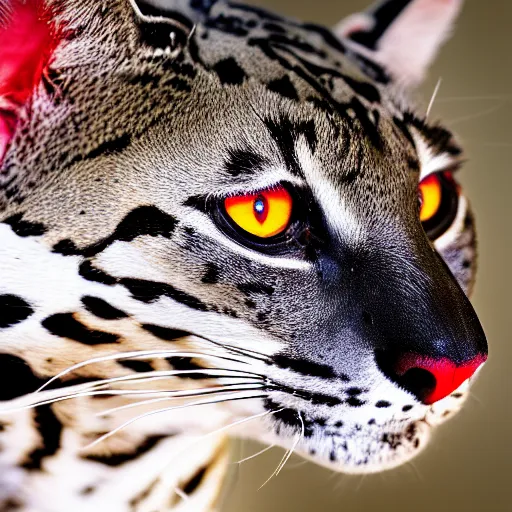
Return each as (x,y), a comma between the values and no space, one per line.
(65,325)
(13,310)
(23,227)
(151,291)
(165,333)
(143,220)
(50,430)
(136,366)
(88,271)
(102,309)
(117,459)
(107,148)
(243,161)
(305,367)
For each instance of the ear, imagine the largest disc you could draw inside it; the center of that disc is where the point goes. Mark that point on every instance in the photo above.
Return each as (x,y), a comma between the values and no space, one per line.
(28,39)
(401,35)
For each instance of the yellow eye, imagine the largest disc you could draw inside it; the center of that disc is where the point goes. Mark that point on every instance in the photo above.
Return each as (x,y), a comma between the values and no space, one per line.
(430,190)
(264,214)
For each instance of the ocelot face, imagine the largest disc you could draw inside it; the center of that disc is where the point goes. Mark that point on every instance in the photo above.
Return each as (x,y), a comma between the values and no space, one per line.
(268,193)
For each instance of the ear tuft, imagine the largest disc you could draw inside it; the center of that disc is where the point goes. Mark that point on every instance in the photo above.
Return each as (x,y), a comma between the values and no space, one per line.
(401,35)
(29,38)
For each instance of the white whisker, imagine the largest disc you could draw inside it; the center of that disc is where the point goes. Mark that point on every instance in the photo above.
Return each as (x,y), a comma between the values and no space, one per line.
(140,354)
(434,95)
(199,392)
(168,409)
(289,453)
(254,455)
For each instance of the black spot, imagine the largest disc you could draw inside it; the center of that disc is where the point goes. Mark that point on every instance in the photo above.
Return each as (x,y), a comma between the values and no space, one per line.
(194,482)
(186,364)
(165,333)
(143,220)
(13,310)
(256,288)
(241,161)
(354,402)
(338,424)
(117,459)
(102,309)
(25,228)
(457,395)
(16,378)
(416,443)
(332,456)
(289,417)
(353,391)
(89,272)
(229,72)
(50,430)
(368,91)
(406,408)
(305,367)
(86,491)
(66,325)
(284,87)
(371,422)
(382,404)
(250,303)
(136,366)
(466,264)
(106,148)
(151,291)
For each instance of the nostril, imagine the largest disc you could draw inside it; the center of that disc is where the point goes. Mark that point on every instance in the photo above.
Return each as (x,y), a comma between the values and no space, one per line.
(428,379)
(418,381)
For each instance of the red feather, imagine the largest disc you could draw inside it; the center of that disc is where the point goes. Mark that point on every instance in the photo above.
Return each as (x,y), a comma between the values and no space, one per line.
(27,41)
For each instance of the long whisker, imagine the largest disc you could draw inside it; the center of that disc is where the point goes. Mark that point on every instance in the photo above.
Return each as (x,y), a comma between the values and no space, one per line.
(168,409)
(208,391)
(254,455)
(166,374)
(141,354)
(289,453)
(129,394)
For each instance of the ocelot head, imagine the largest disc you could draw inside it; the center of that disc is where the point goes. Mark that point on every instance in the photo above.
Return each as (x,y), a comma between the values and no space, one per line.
(254,202)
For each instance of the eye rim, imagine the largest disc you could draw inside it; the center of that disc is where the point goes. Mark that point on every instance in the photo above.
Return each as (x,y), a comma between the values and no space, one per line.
(287,243)
(441,221)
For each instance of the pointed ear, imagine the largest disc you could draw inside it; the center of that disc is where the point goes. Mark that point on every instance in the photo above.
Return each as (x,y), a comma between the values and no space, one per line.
(28,39)
(401,35)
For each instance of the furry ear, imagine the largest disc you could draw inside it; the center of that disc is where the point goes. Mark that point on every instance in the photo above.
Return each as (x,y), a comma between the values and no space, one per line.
(401,35)
(28,39)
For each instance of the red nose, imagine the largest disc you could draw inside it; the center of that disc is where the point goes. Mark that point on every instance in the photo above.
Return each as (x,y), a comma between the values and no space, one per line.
(433,379)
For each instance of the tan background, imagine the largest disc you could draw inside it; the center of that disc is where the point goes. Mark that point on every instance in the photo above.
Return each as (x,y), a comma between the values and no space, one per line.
(468,467)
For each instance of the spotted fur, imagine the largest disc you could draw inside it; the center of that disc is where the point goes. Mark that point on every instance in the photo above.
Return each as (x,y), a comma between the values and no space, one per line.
(115,264)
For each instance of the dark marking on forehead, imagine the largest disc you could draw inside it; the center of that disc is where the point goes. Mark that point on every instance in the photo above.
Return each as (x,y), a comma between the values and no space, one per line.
(165,333)
(365,89)
(118,459)
(13,310)
(109,147)
(151,291)
(49,429)
(65,325)
(211,275)
(136,366)
(229,72)
(25,228)
(286,133)
(143,220)
(102,309)
(284,87)
(89,272)
(436,136)
(243,161)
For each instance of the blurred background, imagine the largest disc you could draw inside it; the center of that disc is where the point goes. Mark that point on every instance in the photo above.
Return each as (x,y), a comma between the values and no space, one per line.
(468,466)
